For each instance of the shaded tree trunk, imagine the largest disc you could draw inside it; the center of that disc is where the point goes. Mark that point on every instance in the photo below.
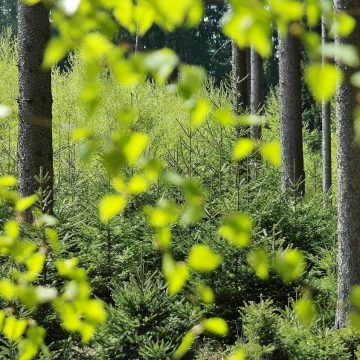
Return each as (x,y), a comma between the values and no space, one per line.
(240,78)
(348,168)
(326,129)
(35,154)
(293,174)
(256,98)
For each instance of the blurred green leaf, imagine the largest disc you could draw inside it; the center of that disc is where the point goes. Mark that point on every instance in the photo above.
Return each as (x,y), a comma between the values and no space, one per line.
(216,326)
(202,258)
(290,264)
(322,80)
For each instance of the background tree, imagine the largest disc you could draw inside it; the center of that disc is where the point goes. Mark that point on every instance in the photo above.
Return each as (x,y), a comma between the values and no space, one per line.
(326,129)
(348,156)
(293,174)
(256,97)
(240,78)
(35,154)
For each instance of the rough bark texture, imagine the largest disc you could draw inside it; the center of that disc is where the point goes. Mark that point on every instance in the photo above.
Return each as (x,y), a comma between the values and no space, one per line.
(326,130)
(348,158)
(293,175)
(240,78)
(256,98)
(35,103)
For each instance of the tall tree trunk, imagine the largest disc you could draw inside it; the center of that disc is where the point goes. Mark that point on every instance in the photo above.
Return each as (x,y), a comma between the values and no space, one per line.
(256,98)
(326,129)
(240,78)
(348,159)
(293,174)
(35,153)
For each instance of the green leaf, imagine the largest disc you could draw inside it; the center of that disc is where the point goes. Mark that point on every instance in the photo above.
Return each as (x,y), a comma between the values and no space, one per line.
(2,318)
(313,12)
(8,181)
(216,326)
(35,264)
(161,64)
(27,350)
(355,296)
(185,345)
(12,229)
(94,311)
(322,80)
(202,258)
(7,289)
(243,148)
(53,238)
(271,151)
(200,112)
(95,46)
(290,264)
(137,184)
(237,229)
(225,117)
(25,203)
(163,237)
(259,261)
(13,328)
(66,267)
(55,51)
(175,273)
(110,206)
(305,311)
(342,25)
(134,147)
(191,80)
(347,54)
(354,317)
(163,215)
(205,293)
(237,355)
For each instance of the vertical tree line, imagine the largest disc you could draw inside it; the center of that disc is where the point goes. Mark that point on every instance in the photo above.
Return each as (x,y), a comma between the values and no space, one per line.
(293,174)
(35,152)
(348,169)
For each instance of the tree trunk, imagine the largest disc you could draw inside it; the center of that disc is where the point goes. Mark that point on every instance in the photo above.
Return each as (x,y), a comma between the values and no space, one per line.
(35,154)
(348,159)
(256,98)
(240,78)
(326,129)
(293,175)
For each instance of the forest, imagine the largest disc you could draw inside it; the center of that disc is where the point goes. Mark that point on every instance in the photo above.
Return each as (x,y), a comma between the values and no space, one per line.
(180,179)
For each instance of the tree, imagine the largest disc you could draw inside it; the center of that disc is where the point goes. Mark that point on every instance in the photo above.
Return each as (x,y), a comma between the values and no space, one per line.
(326,130)
(348,156)
(293,175)
(256,92)
(240,78)
(35,154)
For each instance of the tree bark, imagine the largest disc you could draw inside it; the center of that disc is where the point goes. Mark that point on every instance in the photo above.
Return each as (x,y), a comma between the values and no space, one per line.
(35,153)
(326,129)
(240,78)
(256,98)
(293,174)
(348,168)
